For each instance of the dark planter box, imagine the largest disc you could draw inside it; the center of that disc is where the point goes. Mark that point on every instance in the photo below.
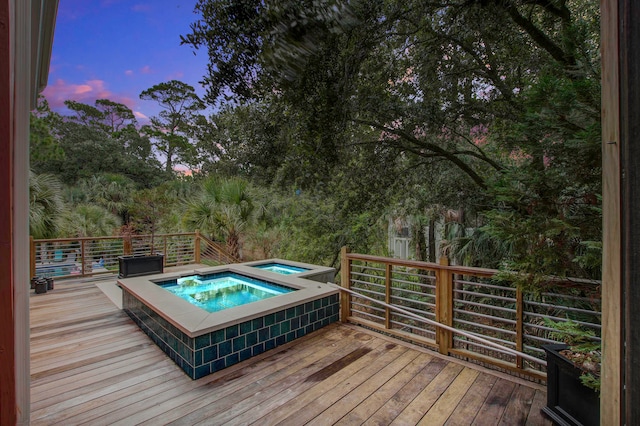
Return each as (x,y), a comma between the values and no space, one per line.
(137,265)
(569,402)
(41,286)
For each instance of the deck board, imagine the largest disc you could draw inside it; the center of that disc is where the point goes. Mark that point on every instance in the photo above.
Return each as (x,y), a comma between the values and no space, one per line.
(90,364)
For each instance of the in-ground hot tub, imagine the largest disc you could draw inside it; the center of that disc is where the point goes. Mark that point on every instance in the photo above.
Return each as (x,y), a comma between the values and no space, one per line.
(203,342)
(301,270)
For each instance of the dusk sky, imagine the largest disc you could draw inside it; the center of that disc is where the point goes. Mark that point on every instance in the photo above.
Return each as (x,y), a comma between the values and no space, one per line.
(115,49)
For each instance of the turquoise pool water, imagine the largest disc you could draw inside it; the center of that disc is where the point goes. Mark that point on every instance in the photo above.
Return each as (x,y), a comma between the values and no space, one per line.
(215,293)
(280,268)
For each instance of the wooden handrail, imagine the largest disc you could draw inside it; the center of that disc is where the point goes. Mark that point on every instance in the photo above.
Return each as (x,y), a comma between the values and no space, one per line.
(114,237)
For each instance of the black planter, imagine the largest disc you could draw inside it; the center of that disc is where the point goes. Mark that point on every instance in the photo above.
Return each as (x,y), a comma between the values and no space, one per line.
(41,286)
(137,265)
(569,402)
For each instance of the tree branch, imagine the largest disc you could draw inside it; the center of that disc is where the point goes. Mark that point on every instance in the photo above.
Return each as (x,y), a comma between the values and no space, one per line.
(556,52)
(435,149)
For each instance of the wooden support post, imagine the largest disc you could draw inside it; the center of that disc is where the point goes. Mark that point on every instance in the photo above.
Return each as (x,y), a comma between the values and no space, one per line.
(127,246)
(387,294)
(519,326)
(82,257)
(9,361)
(628,316)
(164,251)
(613,232)
(32,257)
(444,306)
(196,249)
(345,281)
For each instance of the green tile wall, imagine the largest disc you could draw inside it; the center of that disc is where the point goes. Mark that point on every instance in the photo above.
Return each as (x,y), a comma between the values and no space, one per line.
(219,349)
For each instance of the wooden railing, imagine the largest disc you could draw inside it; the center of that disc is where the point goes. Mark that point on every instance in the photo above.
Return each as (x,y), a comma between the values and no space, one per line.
(69,257)
(469,300)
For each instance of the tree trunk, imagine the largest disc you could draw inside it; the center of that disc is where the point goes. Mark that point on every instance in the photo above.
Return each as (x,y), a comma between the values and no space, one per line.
(420,241)
(432,241)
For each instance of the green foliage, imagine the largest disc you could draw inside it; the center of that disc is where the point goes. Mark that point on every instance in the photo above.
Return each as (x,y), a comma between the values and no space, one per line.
(93,140)
(109,190)
(487,107)
(223,209)
(342,115)
(43,146)
(88,220)
(148,209)
(584,349)
(45,205)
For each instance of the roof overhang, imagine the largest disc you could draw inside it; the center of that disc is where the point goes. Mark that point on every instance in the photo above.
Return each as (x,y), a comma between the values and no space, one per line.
(43,22)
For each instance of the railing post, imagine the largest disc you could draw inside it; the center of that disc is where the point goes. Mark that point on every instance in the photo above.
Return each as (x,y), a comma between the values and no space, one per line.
(444,306)
(387,295)
(82,255)
(519,326)
(345,281)
(127,245)
(196,249)
(32,257)
(164,251)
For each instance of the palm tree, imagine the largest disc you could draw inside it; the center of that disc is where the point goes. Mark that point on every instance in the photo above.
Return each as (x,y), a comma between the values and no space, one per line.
(223,209)
(111,191)
(89,220)
(45,205)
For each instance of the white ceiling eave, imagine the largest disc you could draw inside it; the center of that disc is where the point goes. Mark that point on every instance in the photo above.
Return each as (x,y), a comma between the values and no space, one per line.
(43,22)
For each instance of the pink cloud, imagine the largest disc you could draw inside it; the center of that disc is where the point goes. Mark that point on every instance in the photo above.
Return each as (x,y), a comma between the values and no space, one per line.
(176,75)
(140,115)
(146,70)
(141,8)
(107,3)
(128,72)
(87,93)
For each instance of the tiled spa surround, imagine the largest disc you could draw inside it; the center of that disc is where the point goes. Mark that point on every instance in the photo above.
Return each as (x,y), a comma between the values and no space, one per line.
(213,351)
(202,343)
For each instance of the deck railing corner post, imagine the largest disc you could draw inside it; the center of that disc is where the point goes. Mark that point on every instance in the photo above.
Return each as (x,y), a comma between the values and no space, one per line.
(444,306)
(127,244)
(196,249)
(519,327)
(388,271)
(345,281)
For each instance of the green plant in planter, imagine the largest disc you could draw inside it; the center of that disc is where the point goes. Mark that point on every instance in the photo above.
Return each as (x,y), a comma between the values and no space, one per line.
(583,350)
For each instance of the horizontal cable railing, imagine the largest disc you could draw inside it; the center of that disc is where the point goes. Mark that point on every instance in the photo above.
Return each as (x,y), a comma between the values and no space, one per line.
(464,311)
(214,252)
(88,256)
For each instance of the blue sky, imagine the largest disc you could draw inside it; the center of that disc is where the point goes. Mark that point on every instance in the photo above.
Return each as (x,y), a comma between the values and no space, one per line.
(115,49)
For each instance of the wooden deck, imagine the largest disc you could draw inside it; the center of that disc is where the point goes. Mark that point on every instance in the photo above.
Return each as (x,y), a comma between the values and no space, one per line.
(90,364)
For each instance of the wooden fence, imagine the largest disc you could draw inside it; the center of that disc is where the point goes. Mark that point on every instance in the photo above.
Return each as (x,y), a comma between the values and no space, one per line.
(70,257)
(468,299)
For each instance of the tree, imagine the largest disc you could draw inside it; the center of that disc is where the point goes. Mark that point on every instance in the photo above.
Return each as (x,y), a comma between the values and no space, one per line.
(149,209)
(504,93)
(98,139)
(223,210)
(172,128)
(43,145)
(111,191)
(45,205)
(249,140)
(88,220)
